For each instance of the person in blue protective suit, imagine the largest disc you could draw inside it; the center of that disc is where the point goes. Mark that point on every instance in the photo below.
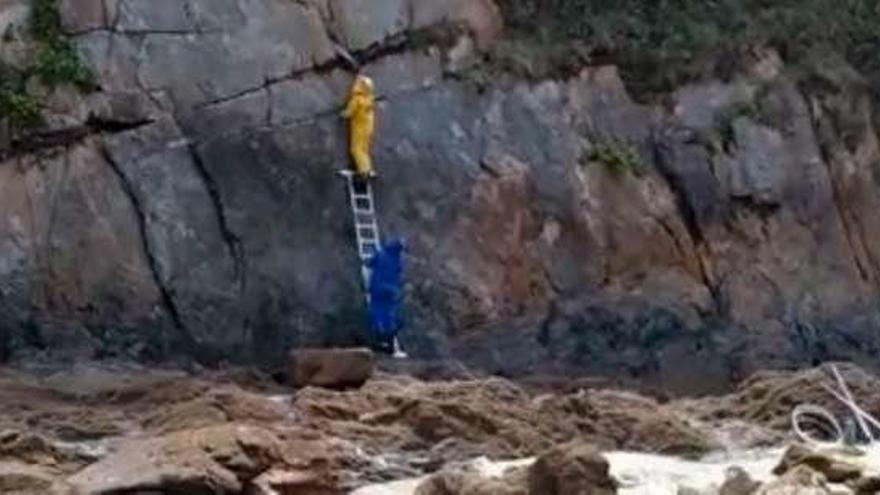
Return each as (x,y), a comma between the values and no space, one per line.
(385,289)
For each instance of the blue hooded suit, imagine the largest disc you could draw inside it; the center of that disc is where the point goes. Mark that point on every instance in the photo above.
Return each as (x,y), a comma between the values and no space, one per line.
(386,285)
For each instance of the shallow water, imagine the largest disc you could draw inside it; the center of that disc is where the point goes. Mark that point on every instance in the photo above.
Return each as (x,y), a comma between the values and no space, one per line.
(639,473)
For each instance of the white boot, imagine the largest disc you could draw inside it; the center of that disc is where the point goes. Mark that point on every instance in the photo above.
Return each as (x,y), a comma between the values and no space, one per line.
(398,352)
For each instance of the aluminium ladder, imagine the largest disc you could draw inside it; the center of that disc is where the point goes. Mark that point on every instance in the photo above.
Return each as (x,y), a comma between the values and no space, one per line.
(366,229)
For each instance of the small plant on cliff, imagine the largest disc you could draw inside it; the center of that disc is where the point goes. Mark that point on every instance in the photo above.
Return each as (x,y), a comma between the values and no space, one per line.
(661,43)
(56,62)
(21,109)
(619,157)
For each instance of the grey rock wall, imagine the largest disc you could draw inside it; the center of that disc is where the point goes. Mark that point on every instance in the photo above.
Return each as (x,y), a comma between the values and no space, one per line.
(196,210)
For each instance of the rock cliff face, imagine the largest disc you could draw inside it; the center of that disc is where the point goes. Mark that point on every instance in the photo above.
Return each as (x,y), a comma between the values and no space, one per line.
(190,206)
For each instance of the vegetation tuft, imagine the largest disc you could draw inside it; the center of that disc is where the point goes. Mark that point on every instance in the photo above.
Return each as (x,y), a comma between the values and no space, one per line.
(56,63)
(620,158)
(659,44)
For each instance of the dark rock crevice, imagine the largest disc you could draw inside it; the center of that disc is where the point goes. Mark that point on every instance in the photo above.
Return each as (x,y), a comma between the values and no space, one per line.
(855,239)
(690,217)
(166,294)
(39,140)
(231,239)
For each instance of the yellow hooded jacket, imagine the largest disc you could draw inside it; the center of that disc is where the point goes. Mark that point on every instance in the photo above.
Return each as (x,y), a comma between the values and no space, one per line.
(360,112)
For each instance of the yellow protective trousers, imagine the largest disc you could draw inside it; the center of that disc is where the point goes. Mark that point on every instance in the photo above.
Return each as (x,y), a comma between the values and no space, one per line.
(360,112)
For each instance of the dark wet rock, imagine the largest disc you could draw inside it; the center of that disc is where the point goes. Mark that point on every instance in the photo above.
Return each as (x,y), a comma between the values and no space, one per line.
(572,469)
(738,482)
(470,481)
(17,478)
(211,460)
(832,465)
(799,481)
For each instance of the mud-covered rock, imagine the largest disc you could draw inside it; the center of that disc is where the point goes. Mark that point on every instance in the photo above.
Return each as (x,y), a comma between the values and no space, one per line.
(833,465)
(738,482)
(767,398)
(211,460)
(470,481)
(17,478)
(799,481)
(572,469)
(330,368)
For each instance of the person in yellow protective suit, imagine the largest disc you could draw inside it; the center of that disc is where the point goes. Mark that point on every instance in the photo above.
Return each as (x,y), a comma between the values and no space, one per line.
(360,113)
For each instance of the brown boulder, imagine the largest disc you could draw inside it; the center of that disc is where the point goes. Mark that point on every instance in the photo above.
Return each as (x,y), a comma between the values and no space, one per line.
(20,478)
(738,482)
(330,368)
(834,467)
(868,485)
(572,469)
(799,481)
(292,483)
(210,460)
(469,481)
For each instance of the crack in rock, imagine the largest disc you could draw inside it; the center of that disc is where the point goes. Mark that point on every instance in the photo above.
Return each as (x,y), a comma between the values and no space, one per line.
(166,294)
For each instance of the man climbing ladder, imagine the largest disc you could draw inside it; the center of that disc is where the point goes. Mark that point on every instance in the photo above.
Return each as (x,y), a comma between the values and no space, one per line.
(381,265)
(360,112)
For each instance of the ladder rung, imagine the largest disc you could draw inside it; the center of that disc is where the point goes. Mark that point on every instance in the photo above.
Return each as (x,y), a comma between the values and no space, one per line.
(361,211)
(362,196)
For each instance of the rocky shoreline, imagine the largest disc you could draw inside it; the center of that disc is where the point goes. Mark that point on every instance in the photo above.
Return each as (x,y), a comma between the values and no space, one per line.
(99,430)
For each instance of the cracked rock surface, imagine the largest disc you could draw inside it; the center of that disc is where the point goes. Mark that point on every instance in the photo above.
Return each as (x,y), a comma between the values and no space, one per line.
(190,207)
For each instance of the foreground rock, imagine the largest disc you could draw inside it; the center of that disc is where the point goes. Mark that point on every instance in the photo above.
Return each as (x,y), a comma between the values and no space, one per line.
(330,368)
(836,465)
(767,398)
(470,481)
(799,481)
(25,479)
(212,460)
(461,420)
(571,469)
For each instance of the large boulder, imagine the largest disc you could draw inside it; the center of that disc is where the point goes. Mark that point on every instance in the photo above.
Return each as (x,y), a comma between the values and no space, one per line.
(470,480)
(210,460)
(572,469)
(799,481)
(330,368)
(836,466)
(738,482)
(23,479)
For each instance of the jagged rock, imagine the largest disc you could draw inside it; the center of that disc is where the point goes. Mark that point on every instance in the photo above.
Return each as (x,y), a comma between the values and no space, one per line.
(738,482)
(210,460)
(17,478)
(330,368)
(866,485)
(799,481)
(289,482)
(481,17)
(361,23)
(470,481)
(832,465)
(573,469)
(218,407)
(766,398)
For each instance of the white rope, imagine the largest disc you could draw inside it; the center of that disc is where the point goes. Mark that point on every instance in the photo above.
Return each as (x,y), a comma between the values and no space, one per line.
(810,414)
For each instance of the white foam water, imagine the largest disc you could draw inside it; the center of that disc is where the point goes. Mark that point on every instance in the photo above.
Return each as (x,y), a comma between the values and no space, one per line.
(638,473)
